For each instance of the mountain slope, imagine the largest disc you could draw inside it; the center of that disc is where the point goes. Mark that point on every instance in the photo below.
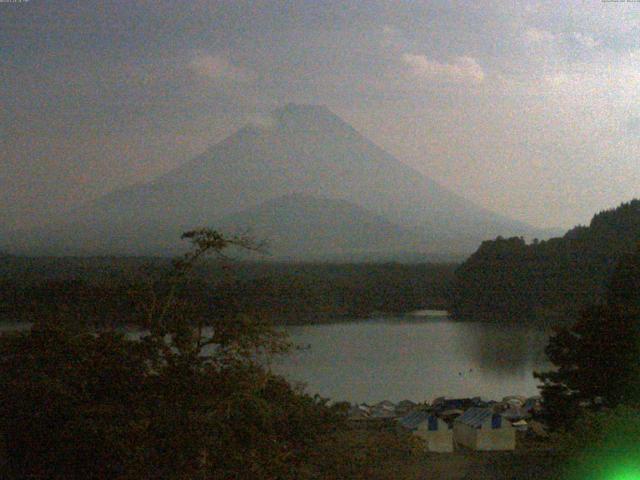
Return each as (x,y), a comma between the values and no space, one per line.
(303,150)
(313,228)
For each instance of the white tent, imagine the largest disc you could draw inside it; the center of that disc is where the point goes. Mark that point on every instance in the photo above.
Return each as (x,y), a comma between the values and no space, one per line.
(433,430)
(481,429)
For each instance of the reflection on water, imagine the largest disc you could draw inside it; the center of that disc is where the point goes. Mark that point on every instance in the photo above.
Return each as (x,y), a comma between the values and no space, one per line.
(396,359)
(503,349)
(412,357)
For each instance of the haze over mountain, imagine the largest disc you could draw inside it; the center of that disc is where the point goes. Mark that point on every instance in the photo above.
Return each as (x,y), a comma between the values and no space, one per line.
(302,179)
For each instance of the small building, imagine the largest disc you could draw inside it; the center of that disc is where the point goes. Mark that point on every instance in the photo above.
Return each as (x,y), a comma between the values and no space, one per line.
(515,400)
(358,412)
(383,409)
(387,404)
(520,425)
(479,402)
(437,435)
(404,407)
(482,429)
(515,414)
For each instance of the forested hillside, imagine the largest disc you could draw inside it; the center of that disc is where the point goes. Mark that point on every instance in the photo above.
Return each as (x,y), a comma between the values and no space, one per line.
(510,279)
(109,289)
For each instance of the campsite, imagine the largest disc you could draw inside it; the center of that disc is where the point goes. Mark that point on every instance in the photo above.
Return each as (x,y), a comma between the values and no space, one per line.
(448,453)
(458,424)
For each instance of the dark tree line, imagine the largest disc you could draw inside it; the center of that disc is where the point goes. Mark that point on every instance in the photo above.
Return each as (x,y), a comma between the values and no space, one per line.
(597,359)
(97,290)
(510,279)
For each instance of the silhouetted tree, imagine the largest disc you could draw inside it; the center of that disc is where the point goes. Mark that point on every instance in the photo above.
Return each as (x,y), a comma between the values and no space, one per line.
(182,401)
(506,279)
(598,358)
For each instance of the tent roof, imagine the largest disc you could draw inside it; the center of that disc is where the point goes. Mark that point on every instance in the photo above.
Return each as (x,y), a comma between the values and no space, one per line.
(475,416)
(414,419)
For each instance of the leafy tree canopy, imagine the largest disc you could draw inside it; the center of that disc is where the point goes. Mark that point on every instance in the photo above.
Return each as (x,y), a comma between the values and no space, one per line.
(508,279)
(180,401)
(598,358)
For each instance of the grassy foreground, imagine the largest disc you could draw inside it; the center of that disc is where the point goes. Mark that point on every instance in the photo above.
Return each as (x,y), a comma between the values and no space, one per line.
(531,460)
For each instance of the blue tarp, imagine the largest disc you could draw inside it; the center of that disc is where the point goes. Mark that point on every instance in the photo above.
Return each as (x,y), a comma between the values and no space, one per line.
(475,417)
(414,419)
(496,421)
(433,423)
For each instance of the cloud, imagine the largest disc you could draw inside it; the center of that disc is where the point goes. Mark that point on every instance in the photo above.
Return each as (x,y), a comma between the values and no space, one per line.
(538,36)
(392,38)
(614,80)
(585,40)
(263,121)
(462,70)
(631,125)
(218,67)
(557,79)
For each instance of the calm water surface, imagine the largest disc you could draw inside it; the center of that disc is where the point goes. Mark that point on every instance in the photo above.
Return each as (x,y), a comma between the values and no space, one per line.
(415,358)
(411,357)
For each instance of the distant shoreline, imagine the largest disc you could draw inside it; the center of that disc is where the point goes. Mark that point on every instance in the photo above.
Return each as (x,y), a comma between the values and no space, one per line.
(410,317)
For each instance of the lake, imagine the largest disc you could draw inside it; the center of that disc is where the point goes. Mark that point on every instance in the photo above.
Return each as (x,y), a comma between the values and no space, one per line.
(417,358)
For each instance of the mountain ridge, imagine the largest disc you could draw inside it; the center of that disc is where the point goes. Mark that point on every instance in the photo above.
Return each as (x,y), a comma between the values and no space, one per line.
(298,149)
(340,227)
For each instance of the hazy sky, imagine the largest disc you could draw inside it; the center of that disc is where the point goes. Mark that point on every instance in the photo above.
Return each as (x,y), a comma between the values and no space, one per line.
(530,109)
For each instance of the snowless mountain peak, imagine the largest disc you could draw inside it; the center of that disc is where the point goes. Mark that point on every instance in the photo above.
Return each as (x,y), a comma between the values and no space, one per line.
(351,189)
(297,117)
